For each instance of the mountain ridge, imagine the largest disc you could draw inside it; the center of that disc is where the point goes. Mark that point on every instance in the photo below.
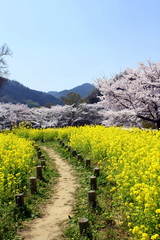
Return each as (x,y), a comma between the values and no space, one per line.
(83,89)
(15,92)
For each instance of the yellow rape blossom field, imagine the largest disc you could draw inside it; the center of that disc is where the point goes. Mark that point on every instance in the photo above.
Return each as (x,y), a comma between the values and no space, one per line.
(129,158)
(16,163)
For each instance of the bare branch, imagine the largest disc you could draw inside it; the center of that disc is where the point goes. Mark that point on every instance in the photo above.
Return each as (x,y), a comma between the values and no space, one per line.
(4,51)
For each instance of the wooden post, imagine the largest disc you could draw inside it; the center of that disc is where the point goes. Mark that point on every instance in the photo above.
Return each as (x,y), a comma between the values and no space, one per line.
(33,185)
(43,163)
(39,153)
(39,172)
(93,182)
(74,153)
(88,163)
(42,157)
(19,199)
(92,198)
(83,226)
(96,171)
(79,157)
(69,148)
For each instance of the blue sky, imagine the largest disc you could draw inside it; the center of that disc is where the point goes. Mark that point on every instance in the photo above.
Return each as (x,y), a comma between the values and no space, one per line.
(60,44)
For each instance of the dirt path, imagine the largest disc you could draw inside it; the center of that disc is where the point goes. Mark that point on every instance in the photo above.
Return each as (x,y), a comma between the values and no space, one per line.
(47,227)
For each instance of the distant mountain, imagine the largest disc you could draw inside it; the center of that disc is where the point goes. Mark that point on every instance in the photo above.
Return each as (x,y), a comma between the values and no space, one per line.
(84,90)
(15,92)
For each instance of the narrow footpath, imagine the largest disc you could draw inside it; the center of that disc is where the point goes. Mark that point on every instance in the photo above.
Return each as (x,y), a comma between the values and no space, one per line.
(47,227)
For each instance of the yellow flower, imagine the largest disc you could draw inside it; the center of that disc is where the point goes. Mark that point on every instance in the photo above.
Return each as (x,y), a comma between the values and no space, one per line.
(135,229)
(113,189)
(145,236)
(157,211)
(155,236)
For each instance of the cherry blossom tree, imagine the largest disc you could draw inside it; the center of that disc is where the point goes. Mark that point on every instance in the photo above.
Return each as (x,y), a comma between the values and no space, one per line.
(56,116)
(91,112)
(133,96)
(10,113)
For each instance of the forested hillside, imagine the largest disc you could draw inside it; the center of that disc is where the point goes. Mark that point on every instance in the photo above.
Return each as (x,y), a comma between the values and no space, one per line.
(83,90)
(15,92)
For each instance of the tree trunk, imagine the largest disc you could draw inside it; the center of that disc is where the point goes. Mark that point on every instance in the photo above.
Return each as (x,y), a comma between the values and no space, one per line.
(158,124)
(156,121)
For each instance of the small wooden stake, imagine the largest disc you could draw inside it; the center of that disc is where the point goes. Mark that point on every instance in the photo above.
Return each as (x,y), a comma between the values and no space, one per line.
(39,153)
(88,163)
(33,185)
(92,198)
(19,199)
(79,157)
(42,157)
(96,171)
(69,148)
(83,226)
(43,163)
(74,152)
(93,182)
(39,172)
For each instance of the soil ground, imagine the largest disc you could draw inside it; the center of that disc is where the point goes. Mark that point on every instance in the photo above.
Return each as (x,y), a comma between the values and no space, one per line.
(59,208)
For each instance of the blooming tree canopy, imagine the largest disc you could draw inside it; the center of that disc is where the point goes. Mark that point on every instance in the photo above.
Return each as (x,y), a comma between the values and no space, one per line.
(134,95)
(56,116)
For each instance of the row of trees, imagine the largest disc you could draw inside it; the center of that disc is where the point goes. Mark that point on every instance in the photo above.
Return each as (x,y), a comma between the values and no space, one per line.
(56,116)
(129,98)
